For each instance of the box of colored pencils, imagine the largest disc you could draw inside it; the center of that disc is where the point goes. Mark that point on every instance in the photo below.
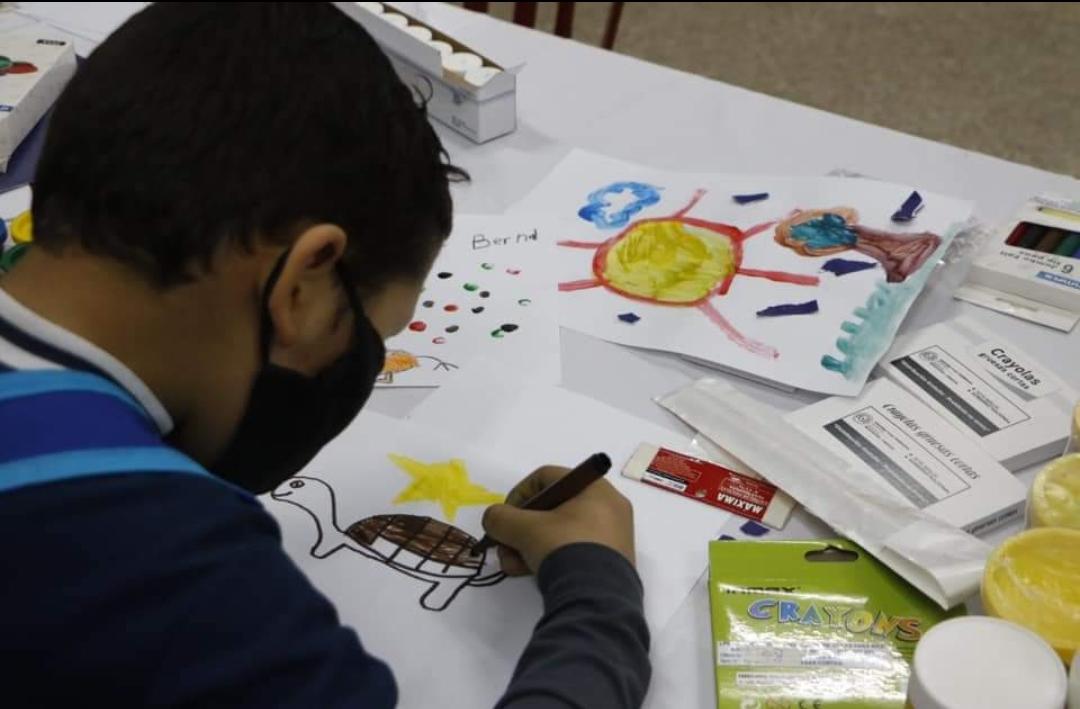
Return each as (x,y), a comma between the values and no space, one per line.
(1030,268)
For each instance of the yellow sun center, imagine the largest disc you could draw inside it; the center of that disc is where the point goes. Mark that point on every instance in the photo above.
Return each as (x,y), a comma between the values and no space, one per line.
(669,262)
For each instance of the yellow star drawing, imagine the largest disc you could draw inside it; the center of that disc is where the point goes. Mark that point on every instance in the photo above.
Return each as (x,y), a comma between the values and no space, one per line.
(446,483)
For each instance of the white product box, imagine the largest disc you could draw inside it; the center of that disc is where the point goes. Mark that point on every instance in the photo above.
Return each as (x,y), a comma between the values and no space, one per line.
(1012,405)
(899,444)
(1030,267)
(480,109)
(35,66)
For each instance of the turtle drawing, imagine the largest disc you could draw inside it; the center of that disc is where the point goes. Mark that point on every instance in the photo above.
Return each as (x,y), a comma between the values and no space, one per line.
(400,361)
(678,261)
(420,547)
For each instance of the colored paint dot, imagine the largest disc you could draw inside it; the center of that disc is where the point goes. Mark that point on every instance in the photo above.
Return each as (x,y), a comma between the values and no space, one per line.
(508,327)
(452,328)
(497,333)
(478,309)
(524,301)
(439,340)
(418,326)
(485,293)
(754,529)
(450,308)
(429,303)
(487,266)
(630,318)
(513,271)
(444,275)
(471,287)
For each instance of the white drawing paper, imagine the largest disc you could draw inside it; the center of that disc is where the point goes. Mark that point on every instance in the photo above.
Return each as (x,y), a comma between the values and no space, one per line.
(491,292)
(673,262)
(450,626)
(537,424)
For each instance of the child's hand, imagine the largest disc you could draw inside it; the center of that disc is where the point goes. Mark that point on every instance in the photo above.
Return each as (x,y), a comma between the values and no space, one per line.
(599,514)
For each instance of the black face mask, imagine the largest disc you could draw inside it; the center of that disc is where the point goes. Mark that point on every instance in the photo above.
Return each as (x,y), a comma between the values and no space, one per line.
(291,416)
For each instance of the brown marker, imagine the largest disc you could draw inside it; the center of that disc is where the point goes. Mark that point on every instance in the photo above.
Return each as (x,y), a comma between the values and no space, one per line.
(558,492)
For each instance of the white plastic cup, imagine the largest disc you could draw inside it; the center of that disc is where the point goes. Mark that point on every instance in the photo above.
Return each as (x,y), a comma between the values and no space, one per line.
(374,8)
(984,662)
(421,33)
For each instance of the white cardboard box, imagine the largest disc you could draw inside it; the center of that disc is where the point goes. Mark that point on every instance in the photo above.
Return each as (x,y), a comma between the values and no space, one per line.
(902,446)
(41,66)
(480,113)
(1012,405)
(1029,284)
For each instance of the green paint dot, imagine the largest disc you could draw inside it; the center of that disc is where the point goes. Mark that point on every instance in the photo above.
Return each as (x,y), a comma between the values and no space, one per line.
(497,333)
(487,266)
(471,287)
(524,301)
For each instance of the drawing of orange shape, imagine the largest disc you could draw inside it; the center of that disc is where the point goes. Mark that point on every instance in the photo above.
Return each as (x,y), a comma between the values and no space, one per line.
(805,248)
(666,261)
(398,361)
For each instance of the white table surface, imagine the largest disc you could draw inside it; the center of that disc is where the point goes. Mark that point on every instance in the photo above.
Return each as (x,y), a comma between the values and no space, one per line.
(573,95)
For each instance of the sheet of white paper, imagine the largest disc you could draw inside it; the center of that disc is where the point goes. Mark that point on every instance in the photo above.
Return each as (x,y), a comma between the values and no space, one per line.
(533,425)
(695,267)
(460,656)
(491,292)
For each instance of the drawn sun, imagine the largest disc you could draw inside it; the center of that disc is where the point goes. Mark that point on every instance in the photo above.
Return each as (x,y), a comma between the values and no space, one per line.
(679,261)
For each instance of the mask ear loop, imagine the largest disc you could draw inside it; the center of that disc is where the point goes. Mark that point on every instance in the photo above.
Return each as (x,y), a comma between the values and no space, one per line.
(266,325)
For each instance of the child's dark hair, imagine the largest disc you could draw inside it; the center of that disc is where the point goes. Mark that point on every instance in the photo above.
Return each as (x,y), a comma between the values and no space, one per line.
(197,123)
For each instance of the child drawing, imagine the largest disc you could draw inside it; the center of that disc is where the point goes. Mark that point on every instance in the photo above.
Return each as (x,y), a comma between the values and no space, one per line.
(419,547)
(820,232)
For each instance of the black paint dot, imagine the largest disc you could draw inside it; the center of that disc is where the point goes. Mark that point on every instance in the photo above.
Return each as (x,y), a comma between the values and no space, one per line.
(444,275)
(508,327)
(452,328)
(478,309)
(485,294)
(429,303)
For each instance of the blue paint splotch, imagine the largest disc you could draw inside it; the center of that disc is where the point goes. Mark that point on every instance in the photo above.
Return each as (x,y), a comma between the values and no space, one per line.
(871,331)
(597,207)
(629,318)
(843,266)
(750,198)
(824,232)
(754,529)
(807,308)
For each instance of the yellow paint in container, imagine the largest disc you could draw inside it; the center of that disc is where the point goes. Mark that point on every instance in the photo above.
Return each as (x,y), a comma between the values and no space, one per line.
(1033,579)
(1054,500)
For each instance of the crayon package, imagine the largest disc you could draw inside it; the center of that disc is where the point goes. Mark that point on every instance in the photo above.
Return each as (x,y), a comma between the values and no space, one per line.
(812,624)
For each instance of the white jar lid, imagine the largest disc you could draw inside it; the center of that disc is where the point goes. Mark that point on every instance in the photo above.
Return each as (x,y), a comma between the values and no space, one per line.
(461,62)
(480,75)
(421,33)
(374,7)
(444,48)
(984,662)
(395,19)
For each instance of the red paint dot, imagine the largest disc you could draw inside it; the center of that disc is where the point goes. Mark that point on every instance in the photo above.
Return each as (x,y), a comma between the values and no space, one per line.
(450,308)
(513,271)
(418,326)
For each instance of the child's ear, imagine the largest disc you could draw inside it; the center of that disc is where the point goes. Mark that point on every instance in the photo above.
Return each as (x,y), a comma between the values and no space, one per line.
(311,260)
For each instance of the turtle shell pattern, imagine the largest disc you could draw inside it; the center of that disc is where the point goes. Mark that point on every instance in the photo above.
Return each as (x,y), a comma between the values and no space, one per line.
(428,542)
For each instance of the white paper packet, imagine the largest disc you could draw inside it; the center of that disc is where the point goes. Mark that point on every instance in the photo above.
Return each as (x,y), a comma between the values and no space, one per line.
(942,561)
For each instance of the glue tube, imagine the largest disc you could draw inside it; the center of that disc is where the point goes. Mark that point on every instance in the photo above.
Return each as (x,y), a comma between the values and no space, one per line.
(987,663)
(1054,499)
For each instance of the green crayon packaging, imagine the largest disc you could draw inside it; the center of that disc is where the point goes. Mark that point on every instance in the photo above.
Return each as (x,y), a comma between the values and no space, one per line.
(818,624)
